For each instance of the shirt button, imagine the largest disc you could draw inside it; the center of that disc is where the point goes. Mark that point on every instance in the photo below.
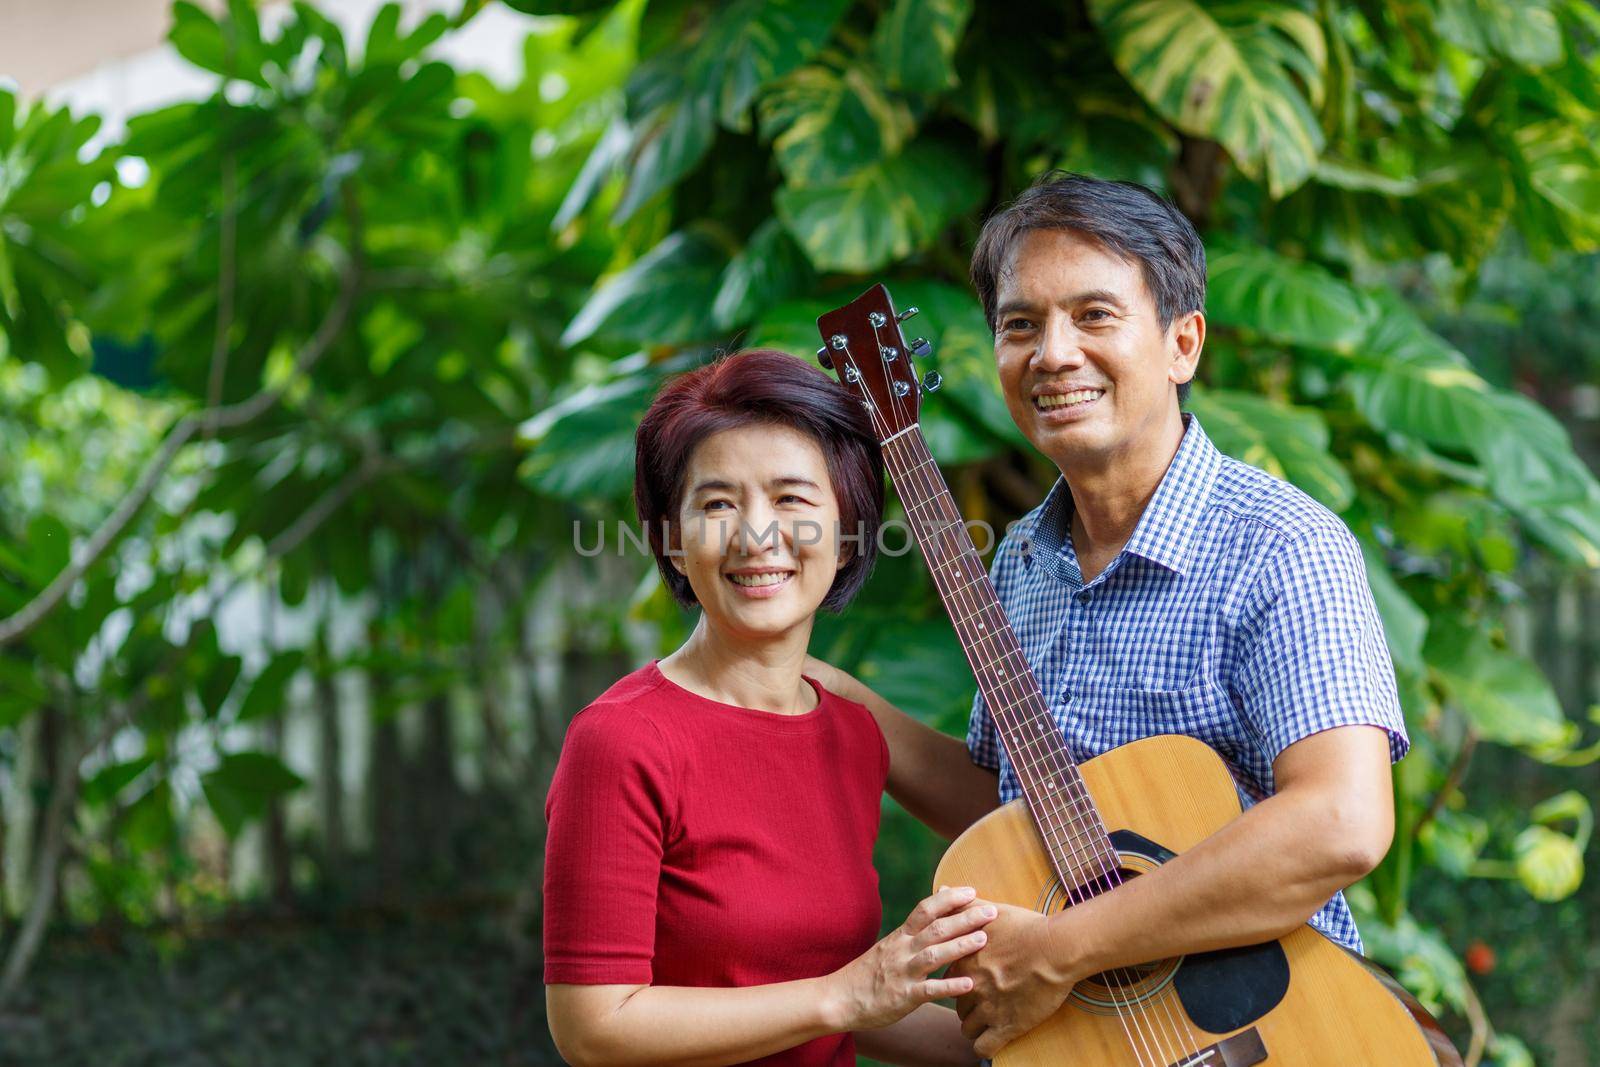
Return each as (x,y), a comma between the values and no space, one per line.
(1085,596)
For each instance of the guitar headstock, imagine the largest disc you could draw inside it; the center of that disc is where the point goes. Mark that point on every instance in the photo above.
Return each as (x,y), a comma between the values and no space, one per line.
(862,345)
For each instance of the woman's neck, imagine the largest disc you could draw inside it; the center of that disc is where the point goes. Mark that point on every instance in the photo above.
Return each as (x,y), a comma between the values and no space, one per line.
(763,675)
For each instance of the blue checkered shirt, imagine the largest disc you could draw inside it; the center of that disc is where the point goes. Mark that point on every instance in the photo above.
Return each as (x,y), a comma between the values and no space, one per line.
(1238,613)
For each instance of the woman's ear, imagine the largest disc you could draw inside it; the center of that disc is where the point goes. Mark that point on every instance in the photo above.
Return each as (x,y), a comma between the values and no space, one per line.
(675,550)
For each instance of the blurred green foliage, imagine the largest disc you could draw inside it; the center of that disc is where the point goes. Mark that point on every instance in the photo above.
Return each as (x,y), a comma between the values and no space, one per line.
(391,326)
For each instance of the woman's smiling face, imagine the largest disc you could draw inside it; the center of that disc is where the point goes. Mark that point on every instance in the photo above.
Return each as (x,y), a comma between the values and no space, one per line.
(758,529)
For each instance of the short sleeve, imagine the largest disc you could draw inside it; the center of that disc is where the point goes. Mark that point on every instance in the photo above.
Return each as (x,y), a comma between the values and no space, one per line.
(609,818)
(1313,653)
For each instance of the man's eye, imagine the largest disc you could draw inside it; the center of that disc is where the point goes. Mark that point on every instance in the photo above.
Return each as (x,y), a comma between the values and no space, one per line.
(1018,324)
(1097,314)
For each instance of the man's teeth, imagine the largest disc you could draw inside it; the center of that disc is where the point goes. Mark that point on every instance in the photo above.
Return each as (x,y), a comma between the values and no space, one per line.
(759,579)
(1061,400)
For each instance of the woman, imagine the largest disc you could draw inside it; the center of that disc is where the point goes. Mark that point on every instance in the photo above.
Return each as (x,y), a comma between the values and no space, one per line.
(709,890)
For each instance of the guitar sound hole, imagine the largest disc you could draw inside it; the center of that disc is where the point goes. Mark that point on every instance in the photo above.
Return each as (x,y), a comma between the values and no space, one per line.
(1117,989)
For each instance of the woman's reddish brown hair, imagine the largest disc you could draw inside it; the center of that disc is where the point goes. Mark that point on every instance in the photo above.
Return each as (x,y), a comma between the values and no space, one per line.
(760,386)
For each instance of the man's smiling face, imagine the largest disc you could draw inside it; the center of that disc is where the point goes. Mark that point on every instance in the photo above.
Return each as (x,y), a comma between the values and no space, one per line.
(1084,363)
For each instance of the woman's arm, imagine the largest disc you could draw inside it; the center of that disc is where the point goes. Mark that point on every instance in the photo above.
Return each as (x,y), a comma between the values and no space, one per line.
(931,774)
(642,1025)
(929,1037)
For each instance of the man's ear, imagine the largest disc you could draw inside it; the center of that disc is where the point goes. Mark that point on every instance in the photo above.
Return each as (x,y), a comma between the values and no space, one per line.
(1188,338)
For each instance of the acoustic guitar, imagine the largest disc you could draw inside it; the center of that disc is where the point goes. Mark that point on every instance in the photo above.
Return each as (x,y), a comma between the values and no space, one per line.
(1302,1001)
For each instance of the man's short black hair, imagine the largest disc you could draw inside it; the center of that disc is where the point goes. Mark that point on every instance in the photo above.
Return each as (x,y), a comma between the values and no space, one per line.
(1127,218)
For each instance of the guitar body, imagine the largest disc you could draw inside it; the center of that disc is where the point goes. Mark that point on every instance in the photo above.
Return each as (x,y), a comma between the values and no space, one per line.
(1308,1000)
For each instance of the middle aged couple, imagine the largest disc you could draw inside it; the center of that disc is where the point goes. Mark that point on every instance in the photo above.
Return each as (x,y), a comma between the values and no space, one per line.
(709,890)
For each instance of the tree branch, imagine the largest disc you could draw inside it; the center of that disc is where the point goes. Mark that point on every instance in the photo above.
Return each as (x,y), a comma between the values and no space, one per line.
(208,420)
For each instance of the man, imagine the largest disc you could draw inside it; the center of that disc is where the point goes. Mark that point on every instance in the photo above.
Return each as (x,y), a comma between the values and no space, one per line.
(1160,587)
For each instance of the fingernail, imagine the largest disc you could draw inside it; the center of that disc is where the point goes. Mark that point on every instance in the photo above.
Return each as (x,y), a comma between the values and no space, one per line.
(980,937)
(988,913)
(967,891)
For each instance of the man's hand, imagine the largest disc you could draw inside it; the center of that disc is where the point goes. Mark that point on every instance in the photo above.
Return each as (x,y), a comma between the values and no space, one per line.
(1018,982)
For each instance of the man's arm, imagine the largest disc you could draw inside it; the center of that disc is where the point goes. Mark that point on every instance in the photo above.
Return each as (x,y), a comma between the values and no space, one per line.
(1255,879)
(931,774)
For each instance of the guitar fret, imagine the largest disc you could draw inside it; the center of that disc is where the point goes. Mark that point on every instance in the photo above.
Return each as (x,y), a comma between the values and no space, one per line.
(1058,798)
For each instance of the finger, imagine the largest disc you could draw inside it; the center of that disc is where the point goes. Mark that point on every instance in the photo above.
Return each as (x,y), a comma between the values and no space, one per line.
(965,1004)
(988,1043)
(949,927)
(943,902)
(935,956)
(973,1025)
(940,988)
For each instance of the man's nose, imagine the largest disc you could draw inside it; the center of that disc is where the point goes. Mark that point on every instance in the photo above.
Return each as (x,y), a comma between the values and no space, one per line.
(1059,348)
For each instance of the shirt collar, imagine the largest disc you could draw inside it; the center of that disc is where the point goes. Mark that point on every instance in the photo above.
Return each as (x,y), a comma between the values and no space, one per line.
(1166,531)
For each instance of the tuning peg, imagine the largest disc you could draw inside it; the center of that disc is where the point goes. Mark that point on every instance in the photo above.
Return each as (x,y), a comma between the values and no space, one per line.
(932,380)
(852,375)
(920,347)
(902,389)
(824,359)
(907,313)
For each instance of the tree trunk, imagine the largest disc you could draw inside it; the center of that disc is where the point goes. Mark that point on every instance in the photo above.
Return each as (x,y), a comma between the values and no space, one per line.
(46,864)
(330,758)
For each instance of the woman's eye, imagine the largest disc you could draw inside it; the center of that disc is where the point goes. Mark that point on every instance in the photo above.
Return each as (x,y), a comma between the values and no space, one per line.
(790,498)
(714,505)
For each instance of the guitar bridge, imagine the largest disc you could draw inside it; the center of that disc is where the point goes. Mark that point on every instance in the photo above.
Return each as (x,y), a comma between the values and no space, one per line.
(1240,1050)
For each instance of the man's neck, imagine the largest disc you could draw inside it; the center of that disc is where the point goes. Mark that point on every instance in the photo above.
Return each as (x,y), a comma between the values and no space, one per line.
(1109,497)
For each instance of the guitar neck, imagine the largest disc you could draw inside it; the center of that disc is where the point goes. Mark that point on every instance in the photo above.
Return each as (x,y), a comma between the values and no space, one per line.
(1065,814)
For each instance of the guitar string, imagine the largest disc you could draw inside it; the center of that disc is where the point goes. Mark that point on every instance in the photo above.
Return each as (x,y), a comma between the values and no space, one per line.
(1119,1003)
(1166,1031)
(927,471)
(1064,769)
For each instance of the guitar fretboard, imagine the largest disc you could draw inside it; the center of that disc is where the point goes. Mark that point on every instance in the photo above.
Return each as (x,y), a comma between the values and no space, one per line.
(1067,819)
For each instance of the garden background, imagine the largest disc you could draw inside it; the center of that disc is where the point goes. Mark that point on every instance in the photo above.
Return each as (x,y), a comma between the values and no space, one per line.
(307,380)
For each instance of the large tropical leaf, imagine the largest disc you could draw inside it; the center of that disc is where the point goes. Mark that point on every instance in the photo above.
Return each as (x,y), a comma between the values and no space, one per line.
(1502,694)
(827,122)
(1247,73)
(770,269)
(915,42)
(1289,442)
(1283,300)
(678,96)
(664,297)
(884,212)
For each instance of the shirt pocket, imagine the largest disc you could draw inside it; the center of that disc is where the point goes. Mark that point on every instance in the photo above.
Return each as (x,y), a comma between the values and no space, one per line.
(1201,711)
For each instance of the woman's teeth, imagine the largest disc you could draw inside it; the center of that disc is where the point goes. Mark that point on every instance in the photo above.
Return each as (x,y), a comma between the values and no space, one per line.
(1061,400)
(759,579)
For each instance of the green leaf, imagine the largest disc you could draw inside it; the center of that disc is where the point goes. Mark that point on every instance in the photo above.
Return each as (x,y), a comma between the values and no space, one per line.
(1247,73)
(21,692)
(1502,694)
(1287,442)
(882,213)
(242,786)
(664,297)
(582,445)
(1454,841)
(676,97)
(113,779)
(268,689)
(770,269)
(1405,627)
(1284,300)
(1508,1051)
(1523,31)
(915,43)
(827,123)
(1549,863)
(221,673)
(231,48)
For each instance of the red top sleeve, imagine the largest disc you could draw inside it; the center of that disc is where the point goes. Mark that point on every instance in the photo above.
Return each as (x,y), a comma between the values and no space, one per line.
(609,817)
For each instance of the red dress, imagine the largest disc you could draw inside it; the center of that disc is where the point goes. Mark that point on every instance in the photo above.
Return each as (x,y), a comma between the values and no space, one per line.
(695,843)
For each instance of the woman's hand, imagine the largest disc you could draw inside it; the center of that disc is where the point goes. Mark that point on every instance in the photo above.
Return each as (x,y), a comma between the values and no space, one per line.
(890,979)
